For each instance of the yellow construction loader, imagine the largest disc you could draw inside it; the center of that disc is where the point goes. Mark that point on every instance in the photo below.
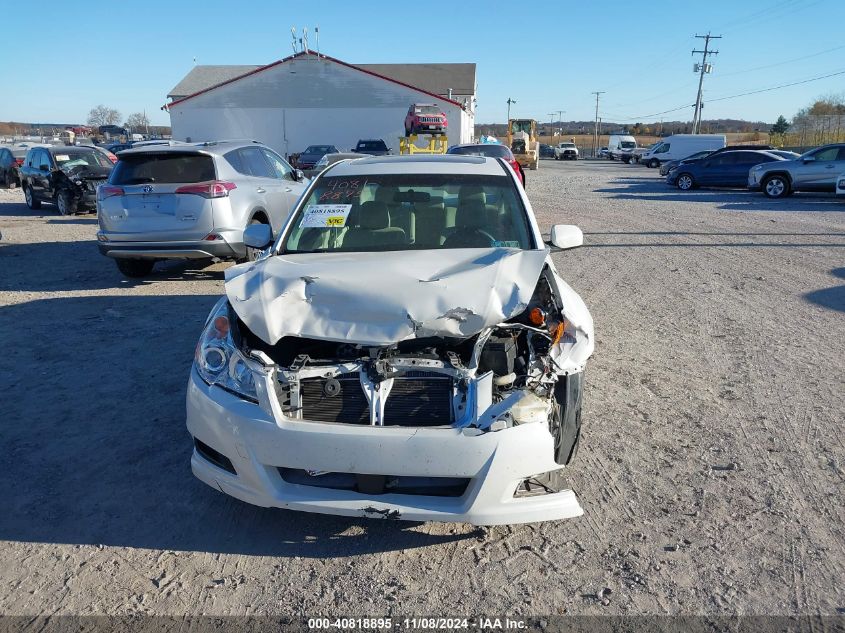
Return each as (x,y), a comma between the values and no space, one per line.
(524,143)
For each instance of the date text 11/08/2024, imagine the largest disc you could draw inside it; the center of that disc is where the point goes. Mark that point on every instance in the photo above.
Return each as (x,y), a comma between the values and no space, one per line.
(423,623)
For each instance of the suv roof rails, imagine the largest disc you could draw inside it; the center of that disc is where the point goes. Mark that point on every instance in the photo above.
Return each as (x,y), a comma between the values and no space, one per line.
(228,140)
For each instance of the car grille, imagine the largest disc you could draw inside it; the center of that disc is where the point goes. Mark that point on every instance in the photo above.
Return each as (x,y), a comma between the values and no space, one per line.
(378,484)
(429,119)
(416,399)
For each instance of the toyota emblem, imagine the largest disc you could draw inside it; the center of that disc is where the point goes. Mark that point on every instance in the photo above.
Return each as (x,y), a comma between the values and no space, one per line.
(148,188)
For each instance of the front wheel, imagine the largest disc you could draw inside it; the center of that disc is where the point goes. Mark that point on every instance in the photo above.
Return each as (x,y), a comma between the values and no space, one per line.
(685,182)
(135,268)
(66,203)
(31,201)
(776,187)
(654,163)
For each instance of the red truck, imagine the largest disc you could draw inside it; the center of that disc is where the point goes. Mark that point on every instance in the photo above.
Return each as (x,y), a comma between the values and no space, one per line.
(425,118)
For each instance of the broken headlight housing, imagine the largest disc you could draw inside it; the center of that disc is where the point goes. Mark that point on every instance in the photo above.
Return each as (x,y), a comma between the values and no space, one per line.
(218,360)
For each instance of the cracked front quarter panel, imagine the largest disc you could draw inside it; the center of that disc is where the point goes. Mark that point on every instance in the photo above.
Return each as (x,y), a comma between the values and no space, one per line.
(382,298)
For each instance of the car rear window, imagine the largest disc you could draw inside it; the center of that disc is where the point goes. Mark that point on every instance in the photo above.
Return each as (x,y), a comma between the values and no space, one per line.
(490,151)
(167,167)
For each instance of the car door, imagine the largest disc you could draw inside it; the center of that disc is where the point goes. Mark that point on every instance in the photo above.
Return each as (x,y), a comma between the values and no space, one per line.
(291,188)
(712,172)
(39,177)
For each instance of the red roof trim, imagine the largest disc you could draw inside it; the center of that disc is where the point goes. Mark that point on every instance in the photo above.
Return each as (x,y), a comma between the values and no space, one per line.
(167,106)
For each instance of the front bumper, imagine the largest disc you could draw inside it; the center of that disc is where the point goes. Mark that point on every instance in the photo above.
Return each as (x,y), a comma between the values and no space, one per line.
(259,440)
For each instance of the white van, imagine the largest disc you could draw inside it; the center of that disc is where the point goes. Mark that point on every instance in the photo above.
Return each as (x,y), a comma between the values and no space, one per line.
(679,146)
(618,143)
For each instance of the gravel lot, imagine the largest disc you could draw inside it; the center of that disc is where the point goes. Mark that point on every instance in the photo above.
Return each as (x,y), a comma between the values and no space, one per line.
(711,465)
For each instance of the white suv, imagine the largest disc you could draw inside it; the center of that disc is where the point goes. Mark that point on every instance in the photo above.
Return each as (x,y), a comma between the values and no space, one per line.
(192,201)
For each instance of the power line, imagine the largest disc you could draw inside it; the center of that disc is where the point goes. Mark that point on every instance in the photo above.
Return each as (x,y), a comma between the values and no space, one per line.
(794,83)
(787,61)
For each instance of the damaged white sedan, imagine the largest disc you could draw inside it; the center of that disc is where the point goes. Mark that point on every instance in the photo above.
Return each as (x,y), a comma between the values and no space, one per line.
(403,349)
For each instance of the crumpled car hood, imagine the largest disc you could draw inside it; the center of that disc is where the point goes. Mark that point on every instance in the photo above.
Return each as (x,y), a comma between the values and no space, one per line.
(382,298)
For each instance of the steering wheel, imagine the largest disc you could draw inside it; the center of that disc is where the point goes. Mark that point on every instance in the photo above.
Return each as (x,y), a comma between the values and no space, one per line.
(469,238)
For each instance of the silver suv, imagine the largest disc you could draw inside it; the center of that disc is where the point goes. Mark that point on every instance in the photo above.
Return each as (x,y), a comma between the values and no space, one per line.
(192,201)
(815,170)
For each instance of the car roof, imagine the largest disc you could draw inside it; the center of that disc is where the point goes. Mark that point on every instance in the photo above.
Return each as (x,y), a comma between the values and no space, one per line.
(419,164)
(216,148)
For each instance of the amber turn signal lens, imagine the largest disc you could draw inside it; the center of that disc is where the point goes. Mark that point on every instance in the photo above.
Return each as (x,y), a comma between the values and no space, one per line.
(221,324)
(557,332)
(537,317)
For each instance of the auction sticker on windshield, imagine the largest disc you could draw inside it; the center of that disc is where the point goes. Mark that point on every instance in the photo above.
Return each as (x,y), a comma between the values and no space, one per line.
(325,215)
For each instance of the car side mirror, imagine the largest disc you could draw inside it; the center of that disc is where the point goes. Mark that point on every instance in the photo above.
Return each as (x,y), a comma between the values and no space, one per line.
(258,235)
(566,236)
(808,159)
(299,175)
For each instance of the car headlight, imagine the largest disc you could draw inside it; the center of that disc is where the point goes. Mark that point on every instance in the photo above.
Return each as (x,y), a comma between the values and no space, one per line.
(323,162)
(218,361)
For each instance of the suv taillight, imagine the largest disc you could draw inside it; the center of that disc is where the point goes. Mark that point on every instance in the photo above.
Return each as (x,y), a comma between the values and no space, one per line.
(107,191)
(19,161)
(213,189)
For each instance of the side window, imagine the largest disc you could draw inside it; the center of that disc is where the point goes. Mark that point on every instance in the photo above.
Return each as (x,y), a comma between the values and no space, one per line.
(827,154)
(234,159)
(663,148)
(282,169)
(30,158)
(254,162)
(841,154)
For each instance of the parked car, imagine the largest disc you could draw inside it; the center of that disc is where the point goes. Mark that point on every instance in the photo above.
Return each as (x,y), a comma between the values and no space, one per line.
(491,150)
(668,166)
(603,152)
(331,159)
(312,154)
(566,151)
(11,158)
(678,146)
(373,147)
(459,331)
(425,118)
(66,176)
(192,202)
(726,169)
(816,170)
(114,148)
(108,154)
(546,151)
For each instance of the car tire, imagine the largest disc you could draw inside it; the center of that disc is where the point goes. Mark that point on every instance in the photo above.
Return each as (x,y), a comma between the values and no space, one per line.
(65,203)
(135,268)
(654,163)
(776,186)
(565,419)
(685,182)
(31,201)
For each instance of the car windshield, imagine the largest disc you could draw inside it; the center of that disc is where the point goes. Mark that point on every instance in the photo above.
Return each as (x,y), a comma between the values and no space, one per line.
(627,145)
(567,145)
(426,109)
(66,159)
(318,149)
(491,151)
(409,212)
(371,145)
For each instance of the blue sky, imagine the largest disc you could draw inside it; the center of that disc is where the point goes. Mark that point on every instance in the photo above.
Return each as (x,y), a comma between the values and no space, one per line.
(548,56)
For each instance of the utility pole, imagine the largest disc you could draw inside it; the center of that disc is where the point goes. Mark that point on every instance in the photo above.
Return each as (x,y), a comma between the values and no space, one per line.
(596,137)
(560,120)
(510,102)
(704,66)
